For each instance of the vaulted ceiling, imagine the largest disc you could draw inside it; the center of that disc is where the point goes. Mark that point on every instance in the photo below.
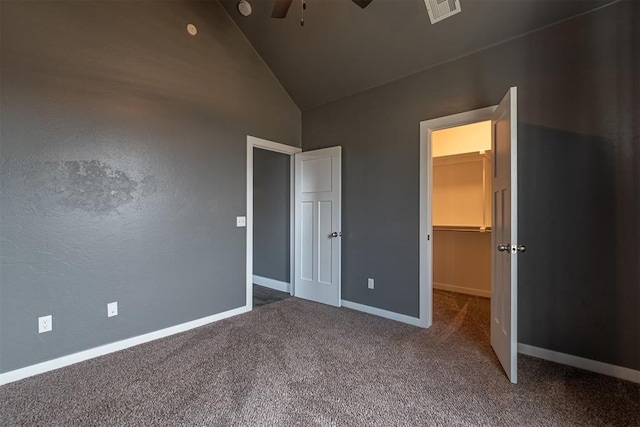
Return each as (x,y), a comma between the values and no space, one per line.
(343,49)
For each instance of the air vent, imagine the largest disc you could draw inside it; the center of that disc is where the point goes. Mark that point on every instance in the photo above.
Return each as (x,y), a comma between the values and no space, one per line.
(441,9)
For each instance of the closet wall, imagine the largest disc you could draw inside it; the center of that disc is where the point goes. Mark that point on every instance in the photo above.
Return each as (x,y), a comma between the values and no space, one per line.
(461,207)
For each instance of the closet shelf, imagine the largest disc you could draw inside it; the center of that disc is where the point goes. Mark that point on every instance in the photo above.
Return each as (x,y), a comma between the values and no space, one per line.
(463,228)
(450,159)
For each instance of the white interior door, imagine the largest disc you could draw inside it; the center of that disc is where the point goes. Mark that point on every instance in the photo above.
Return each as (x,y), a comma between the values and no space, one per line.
(317,225)
(504,235)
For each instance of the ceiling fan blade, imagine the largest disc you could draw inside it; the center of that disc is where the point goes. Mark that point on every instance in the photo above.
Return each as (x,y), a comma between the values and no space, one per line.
(280,8)
(362,3)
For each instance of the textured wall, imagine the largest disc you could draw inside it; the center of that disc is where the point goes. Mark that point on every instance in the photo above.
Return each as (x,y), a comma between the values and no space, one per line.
(122,161)
(271,212)
(579,188)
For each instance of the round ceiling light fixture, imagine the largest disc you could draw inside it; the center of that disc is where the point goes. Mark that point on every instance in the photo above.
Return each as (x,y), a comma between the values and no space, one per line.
(191,29)
(244,8)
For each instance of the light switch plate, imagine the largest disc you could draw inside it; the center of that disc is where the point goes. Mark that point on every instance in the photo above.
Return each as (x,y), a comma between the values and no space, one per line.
(112,309)
(241,221)
(370,283)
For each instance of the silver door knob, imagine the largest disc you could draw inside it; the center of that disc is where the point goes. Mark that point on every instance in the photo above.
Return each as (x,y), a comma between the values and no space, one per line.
(504,248)
(521,248)
(334,234)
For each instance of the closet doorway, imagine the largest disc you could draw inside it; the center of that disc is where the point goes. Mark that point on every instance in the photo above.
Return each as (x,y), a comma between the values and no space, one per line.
(461,209)
(500,221)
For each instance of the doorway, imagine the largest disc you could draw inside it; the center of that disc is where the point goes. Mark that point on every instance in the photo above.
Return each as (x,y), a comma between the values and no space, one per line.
(314,222)
(426,184)
(461,209)
(270,268)
(504,222)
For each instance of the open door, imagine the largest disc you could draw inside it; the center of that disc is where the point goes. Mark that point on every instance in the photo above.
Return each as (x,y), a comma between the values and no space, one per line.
(504,235)
(317,225)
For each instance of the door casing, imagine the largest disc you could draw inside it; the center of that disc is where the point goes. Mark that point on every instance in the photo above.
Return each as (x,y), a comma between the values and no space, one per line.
(426,191)
(255,142)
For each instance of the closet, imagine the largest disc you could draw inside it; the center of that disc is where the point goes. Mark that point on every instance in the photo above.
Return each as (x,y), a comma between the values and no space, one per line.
(461,209)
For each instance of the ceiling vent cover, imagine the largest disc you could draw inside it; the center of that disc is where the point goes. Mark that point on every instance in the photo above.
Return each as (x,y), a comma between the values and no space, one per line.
(441,9)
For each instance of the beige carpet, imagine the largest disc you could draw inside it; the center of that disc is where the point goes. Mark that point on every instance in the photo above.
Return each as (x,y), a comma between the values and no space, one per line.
(299,363)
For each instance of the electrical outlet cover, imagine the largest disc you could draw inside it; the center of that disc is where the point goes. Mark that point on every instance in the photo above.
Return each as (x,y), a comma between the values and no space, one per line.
(45,324)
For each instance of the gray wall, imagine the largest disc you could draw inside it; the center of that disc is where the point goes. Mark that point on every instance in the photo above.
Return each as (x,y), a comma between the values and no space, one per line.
(579,205)
(122,161)
(271,212)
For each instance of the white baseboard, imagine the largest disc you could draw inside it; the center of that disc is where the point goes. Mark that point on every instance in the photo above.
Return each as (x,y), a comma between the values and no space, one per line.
(580,362)
(60,362)
(462,290)
(415,321)
(272,283)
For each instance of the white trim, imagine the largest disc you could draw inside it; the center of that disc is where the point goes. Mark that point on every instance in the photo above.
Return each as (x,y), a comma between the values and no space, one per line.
(462,290)
(272,146)
(382,313)
(249,229)
(271,283)
(292,225)
(425,188)
(621,372)
(264,144)
(460,119)
(81,356)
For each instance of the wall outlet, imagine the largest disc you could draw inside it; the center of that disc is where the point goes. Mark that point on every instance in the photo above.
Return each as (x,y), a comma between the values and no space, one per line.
(112,309)
(370,283)
(45,324)
(241,221)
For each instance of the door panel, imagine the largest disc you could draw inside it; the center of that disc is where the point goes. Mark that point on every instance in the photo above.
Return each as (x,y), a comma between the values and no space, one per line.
(306,240)
(316,175)
(504,309)
(317,225)
(324,250)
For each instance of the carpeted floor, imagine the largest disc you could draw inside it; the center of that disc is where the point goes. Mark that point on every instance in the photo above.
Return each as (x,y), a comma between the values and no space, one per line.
(295,362)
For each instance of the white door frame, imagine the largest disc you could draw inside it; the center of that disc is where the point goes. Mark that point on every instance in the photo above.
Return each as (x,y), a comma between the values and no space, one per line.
(254,142)
(426,191)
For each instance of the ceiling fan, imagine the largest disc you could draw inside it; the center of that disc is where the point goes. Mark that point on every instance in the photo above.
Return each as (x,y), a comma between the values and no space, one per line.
(281,7)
